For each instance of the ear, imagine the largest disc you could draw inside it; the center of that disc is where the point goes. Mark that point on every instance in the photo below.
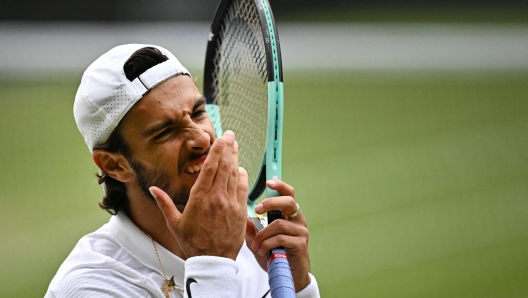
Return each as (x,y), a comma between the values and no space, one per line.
(114,165)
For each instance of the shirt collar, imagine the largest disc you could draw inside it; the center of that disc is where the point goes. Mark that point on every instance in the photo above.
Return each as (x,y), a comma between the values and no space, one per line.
(139,245)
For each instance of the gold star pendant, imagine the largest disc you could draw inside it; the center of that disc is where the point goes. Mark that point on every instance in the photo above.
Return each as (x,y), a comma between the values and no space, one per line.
(169,285)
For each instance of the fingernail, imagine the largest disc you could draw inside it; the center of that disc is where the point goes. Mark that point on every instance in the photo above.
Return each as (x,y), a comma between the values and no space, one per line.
(254,245)
(259,208)
(241,169)
(235,145)
(151,192)
(272,182)
(229,134)
(260,252)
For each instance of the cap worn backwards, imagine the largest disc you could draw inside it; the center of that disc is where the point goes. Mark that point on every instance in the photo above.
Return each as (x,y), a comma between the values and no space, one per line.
(105,94)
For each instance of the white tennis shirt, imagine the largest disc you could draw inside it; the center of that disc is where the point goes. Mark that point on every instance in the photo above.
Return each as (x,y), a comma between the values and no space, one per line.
(118,260)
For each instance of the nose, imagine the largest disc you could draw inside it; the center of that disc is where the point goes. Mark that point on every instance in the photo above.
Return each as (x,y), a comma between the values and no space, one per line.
(199,139)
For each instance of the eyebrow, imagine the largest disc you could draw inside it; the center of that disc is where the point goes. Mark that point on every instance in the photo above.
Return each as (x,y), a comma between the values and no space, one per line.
(200,102)
(151,130)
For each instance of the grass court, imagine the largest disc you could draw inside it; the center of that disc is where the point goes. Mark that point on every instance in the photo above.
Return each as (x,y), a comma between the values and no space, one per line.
(414,184)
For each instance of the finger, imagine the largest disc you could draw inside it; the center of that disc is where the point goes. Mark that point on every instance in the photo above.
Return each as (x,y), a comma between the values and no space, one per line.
(225,165)
(293,245)
(210,166)
(250,235)
(242,187)
(279,227)
(281,187)
(167,207)
(285,203)
(233,179)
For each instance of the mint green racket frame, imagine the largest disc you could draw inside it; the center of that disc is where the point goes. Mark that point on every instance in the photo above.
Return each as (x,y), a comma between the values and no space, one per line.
(272,163)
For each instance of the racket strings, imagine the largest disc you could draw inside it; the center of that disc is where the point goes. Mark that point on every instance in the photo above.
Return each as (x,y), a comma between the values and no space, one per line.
(240,76)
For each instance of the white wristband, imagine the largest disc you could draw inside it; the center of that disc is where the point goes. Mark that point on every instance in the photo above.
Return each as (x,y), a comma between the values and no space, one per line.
(208,276)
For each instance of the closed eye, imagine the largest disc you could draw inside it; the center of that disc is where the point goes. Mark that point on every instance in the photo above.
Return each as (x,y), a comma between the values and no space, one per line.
(198,113)
(199,108)
(163,134)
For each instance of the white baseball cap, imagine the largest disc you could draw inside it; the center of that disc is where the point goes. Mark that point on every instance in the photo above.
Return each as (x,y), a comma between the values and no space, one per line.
(105,94)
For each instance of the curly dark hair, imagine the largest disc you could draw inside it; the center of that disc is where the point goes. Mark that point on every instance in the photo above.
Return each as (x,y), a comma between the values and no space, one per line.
(115,198)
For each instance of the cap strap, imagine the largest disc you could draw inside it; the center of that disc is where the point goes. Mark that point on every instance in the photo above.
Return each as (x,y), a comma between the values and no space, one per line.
(139,86)
(158,74)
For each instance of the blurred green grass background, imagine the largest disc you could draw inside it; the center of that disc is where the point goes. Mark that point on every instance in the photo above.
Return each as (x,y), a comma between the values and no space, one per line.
(414,183)
(398,13)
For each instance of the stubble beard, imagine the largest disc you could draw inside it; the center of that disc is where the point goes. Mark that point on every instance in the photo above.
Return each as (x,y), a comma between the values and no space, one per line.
(146,177)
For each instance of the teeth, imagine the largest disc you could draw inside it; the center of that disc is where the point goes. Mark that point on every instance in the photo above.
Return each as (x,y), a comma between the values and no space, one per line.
(194,168)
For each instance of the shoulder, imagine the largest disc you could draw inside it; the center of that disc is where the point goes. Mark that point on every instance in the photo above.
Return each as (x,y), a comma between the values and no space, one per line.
(98,266)
(91,282)
(92,251)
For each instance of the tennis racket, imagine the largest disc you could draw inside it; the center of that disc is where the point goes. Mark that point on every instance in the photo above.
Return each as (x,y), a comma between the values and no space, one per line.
(244,91)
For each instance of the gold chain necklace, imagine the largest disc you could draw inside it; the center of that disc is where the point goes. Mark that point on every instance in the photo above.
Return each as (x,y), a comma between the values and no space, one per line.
(169,284)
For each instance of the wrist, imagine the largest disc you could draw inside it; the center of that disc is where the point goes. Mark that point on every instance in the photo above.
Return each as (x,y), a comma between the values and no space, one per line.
(302,283)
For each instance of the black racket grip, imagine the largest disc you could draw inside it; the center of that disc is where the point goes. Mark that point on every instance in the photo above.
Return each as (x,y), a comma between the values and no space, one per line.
(273,215)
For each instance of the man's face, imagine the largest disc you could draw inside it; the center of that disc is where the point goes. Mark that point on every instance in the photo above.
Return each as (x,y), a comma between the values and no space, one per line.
(169,135)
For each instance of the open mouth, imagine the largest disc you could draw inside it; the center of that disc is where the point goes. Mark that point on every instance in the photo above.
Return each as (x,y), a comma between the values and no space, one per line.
(194,169)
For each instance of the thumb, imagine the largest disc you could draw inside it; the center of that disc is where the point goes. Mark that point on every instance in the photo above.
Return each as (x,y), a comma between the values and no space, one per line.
(167,207)
(250,236)
(250,232)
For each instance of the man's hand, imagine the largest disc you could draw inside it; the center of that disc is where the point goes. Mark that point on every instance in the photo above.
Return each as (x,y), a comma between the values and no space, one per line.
(290,233)
(214,220)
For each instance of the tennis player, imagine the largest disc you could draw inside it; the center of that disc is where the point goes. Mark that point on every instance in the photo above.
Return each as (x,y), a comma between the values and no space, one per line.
(177,194)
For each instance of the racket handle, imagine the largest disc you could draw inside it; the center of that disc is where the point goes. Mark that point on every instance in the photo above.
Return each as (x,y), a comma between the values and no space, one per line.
(279,274)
